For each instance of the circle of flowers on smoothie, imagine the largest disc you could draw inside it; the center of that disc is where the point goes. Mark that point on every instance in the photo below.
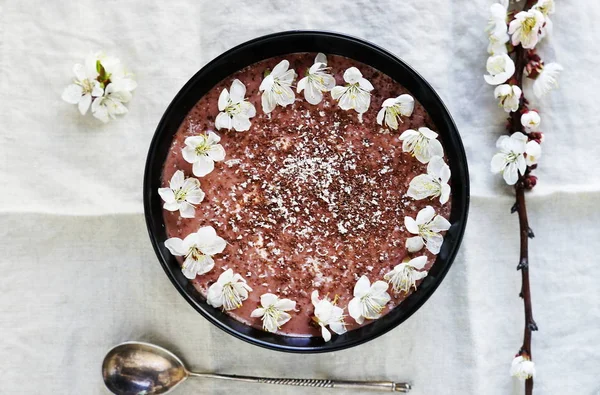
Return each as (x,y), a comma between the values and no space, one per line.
(198,249)
(356,94)
(103,83)
(432,184)
(405,275)
(202,152)
(273,311)
(422,144)
(525,29)
(328,314)
(393,109)
(276,87)
(369,300)
(516,153)
(522,367)
(182,194)
(427,226)
(236,111)
(500,68)
(317,81)
(229,292)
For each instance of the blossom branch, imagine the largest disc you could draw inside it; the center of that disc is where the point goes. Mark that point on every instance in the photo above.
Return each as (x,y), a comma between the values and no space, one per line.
(507,67)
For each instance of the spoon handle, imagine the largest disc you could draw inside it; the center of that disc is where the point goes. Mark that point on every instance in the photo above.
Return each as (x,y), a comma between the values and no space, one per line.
(388,386)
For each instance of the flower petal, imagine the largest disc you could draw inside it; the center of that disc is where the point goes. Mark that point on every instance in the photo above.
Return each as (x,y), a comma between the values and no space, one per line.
(425,215)
(268,101)
(223,99)
(280,68)
(84,104)
(355,310)
(414,244)
(216,153)
(72,94)
(352,75)
(238,91)
(175,246)
(439,224)
(325,333)
(433,242)
(202,166)
(257,313)
(241,123)
(418,262)
(285,304)
(189,154)
(338,327)
(411,225)
(362,286)
(186,210)
(177,180)
(321,58)
(166,194)
(268,300)
(338,91)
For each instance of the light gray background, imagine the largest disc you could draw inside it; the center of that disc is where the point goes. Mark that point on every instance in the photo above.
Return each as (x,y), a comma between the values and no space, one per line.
(78,273)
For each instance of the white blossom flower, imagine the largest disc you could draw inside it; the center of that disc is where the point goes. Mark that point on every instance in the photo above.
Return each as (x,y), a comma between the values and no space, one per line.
(393,109)
(182,194)
(525,28)
(356,94)
(102,83)
(500,68)
(108,106)
(405,275)
(546,7)
(547,79)
(422,143)
(531,120)
(498,17)
(509,97)
(85,87)
(317,81)
(198,249)
(236,111)
(427,227)
(522,367)
(511,159)
(203,151)
(276,89)
(497,28)
(533,151)
(328,314)
(273,311)
(432,184)
(229,291)
(369,300)
(497,43)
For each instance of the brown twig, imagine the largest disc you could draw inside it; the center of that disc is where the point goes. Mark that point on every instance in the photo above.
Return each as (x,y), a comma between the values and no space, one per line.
(521,59)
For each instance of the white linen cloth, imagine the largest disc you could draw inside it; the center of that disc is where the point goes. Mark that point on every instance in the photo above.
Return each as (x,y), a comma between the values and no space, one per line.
(79,274)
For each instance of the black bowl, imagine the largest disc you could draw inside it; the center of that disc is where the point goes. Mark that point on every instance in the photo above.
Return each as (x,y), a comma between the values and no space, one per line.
(281,44)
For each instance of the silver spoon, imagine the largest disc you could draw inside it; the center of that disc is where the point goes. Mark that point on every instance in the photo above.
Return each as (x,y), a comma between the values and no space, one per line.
(135,368)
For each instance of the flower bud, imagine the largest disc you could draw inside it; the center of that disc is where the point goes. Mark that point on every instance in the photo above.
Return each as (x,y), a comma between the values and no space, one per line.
(530,181)
(533,68)
(538,137)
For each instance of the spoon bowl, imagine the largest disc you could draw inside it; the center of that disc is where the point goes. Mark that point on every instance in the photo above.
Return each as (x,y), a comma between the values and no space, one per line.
(134,368)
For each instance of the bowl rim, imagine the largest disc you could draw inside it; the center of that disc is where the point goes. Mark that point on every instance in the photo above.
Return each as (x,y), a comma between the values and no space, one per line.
(452,240)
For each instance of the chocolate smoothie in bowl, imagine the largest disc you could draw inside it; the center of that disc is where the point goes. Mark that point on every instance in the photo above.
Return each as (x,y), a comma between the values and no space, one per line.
(306,195)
